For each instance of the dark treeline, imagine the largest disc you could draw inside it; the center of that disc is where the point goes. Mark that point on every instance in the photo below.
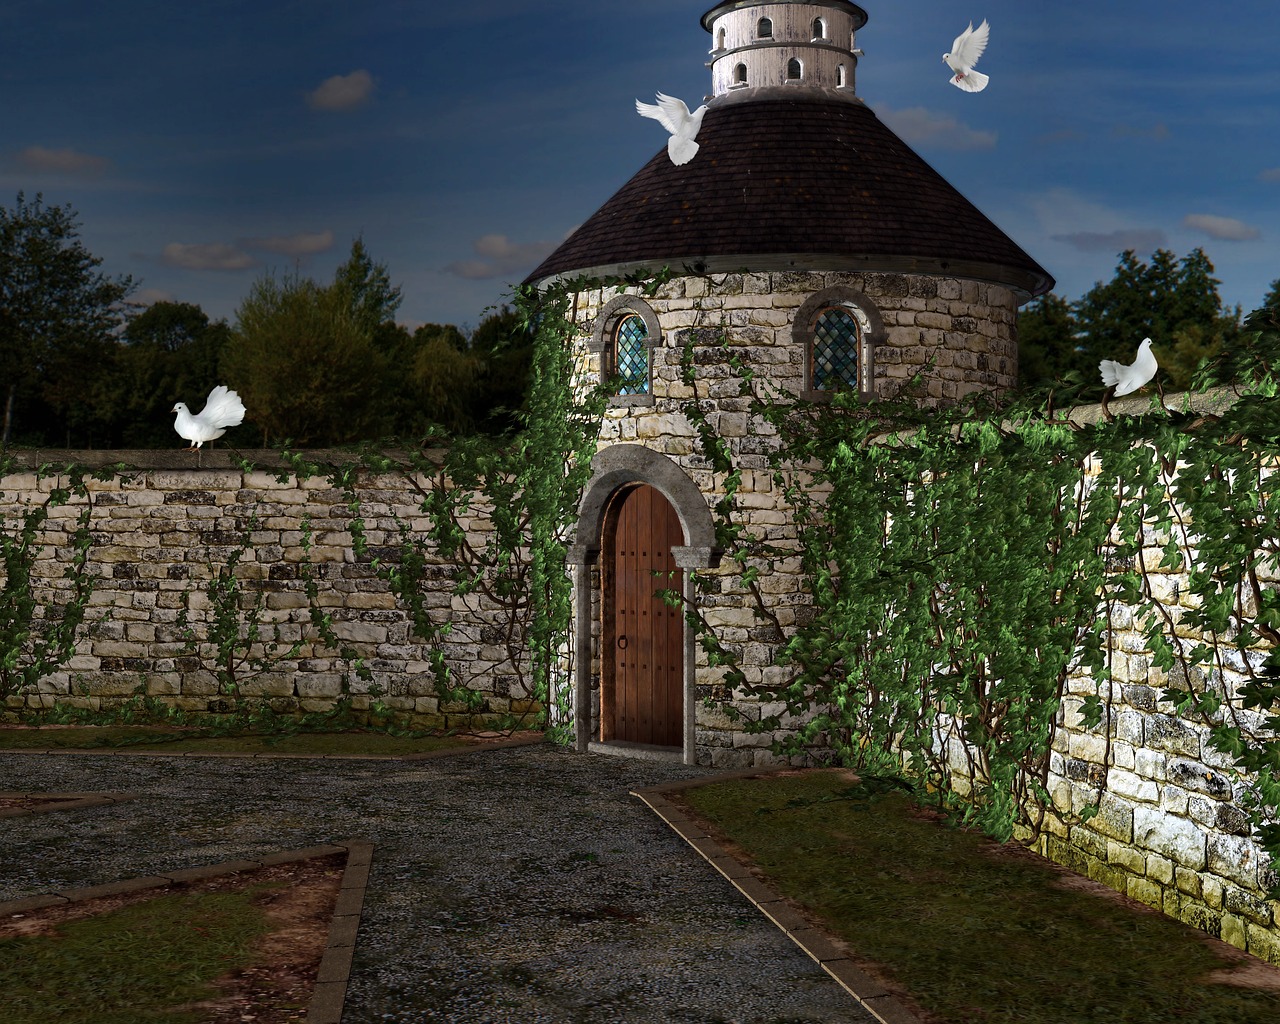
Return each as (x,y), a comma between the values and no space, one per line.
(1173,302)
(316,364)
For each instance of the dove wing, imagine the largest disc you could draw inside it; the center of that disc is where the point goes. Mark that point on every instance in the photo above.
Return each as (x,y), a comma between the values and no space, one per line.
(970,43)
(670,112)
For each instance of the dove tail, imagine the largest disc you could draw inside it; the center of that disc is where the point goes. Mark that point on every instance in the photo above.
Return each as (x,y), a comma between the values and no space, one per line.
(1110,371)
(681,151)
(971,81)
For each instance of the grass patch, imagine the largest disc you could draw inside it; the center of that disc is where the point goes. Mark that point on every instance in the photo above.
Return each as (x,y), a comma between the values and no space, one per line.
(974,932)
(179,740)
(142,962)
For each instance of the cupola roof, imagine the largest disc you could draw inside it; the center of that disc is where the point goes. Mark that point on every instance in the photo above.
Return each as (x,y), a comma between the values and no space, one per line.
(794,176)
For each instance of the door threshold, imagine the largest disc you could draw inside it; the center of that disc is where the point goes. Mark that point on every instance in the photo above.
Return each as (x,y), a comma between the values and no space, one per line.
(643,751)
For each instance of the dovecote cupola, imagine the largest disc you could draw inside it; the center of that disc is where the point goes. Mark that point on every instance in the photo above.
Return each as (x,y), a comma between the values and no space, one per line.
(807,44)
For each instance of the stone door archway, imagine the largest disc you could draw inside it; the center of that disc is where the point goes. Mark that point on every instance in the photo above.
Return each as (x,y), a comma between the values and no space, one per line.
(618,469)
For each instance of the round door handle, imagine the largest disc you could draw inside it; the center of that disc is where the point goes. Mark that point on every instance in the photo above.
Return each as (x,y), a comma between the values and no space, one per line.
(622,643)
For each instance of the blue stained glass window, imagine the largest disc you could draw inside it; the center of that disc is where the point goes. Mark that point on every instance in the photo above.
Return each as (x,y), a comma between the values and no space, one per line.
(631,355)
(835,350)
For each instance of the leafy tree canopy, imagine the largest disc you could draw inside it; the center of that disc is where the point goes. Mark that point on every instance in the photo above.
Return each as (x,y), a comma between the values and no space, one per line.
(58,319)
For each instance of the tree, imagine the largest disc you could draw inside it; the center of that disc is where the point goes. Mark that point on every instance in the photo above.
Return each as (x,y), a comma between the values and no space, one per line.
(1047,345)
(367,286)
(505,352)
(304,363)
(1272,298)
(170,353)
(1175,303)
(58,319)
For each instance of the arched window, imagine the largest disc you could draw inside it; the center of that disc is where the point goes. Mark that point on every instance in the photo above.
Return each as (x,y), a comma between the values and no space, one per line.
(720,39)
(819,29)
(840,76)
(631,355)
(764,29)
(740,75)
(794,71)
(839,328)
(625,336)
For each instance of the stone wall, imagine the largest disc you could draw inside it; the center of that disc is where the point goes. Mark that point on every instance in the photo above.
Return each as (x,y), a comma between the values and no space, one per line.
(1171,831)
(158,539)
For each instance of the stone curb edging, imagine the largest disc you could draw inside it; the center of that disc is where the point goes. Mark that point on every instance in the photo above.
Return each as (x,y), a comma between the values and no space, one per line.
(60,801)
(519,741)
(873,996)
(335,965)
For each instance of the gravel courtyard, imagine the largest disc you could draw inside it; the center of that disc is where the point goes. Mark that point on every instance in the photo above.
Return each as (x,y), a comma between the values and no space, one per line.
(519,884)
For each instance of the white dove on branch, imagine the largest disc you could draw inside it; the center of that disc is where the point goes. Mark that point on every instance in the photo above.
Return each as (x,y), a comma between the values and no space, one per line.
(222,409)
(1133,376)
(964,54)
(673,114)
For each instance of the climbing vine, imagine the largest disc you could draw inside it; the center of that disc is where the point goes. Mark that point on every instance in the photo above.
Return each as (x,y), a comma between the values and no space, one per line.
(969,569)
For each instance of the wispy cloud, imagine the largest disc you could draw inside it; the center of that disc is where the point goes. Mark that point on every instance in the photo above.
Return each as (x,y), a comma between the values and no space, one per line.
(1138,239)
(918,126)
(206,256)
(342,92)
(1270,174)
(62,161)
(500,257)
(1226,228)
(301,244)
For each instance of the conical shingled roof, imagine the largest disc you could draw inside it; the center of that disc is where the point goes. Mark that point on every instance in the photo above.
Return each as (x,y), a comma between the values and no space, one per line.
(792,179)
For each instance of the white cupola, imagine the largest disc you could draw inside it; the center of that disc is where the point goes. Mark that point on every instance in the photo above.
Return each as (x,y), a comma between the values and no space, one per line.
(794,43)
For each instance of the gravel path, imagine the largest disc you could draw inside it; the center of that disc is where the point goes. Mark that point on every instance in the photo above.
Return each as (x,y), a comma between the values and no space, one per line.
(522,884)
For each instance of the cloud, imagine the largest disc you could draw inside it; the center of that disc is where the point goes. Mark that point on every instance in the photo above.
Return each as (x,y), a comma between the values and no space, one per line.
(1138,239)
(1270,174)
(150,296)
(342,92)
(63,161)
(1157,131)
(301,244)
(1226,228)
(210,256)
(917,126)
(500,257)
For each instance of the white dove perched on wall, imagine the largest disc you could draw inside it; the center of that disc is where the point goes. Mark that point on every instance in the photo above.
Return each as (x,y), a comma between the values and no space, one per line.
(964,54)
(222,409)
(673,114)
(1131,377)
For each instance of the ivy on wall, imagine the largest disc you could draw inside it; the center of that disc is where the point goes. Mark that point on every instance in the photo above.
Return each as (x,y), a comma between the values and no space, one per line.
(965,563)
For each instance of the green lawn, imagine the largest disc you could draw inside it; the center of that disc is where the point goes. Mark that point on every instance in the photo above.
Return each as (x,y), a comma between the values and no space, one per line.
(976,935)
(137,963)
(165,738)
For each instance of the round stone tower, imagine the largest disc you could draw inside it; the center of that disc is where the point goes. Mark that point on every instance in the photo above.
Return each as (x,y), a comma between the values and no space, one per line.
(809,44)
(809,244)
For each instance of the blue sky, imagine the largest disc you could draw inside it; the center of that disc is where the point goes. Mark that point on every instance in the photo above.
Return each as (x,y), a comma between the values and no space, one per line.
(206,144)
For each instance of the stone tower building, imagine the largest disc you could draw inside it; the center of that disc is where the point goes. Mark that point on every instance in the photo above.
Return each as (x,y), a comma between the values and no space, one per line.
(832,257)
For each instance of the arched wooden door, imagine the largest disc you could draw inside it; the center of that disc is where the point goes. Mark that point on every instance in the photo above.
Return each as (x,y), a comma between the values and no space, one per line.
(642,698)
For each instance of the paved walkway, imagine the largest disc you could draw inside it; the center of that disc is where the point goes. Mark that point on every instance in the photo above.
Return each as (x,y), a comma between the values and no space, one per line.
(523,884)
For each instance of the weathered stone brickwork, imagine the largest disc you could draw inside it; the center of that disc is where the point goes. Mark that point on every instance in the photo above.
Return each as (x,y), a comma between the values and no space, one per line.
(158,539)
(1171,831)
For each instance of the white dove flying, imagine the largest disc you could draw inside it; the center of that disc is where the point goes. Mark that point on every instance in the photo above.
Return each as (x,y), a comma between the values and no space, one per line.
(1130,378)
(673,114)
(964,54)
(222,409)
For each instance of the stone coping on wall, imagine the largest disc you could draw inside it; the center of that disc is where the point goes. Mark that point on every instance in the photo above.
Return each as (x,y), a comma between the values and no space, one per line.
(201,458)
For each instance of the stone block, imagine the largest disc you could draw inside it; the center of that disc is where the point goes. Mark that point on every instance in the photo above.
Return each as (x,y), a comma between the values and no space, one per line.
(1176,838)
(1263,943)
(1144,890)
(1247,905)
(1127,784)
(1235,858)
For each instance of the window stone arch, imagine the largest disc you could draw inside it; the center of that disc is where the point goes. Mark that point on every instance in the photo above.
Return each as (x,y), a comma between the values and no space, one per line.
(619,314)
(846,308)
